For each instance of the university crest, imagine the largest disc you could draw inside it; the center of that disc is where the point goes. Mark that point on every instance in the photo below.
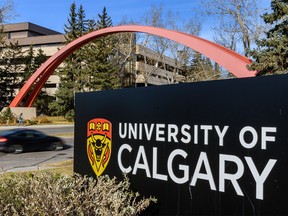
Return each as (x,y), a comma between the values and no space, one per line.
(99,144)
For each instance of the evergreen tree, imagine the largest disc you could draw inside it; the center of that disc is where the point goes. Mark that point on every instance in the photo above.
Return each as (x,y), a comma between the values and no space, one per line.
(29,65)
(272,53)
(10,72)
(202,69)
(82,74)
(106,76)
(90,67)
(73,62)
(71,29)
(41,103)
(82,23)
(8,68)
(2,72)
(64,104)
(71,74)
(32,62)
(104,20)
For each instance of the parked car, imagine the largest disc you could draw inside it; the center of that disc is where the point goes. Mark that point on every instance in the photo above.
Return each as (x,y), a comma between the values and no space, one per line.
(24,139)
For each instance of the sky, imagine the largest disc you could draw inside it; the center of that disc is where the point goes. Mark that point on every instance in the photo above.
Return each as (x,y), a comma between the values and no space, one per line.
(53,14)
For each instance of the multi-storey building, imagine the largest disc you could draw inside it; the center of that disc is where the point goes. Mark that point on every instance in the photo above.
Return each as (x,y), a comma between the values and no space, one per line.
(154,69)
(28,34)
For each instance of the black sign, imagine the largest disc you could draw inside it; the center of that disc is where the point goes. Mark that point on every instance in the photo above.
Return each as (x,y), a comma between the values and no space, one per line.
(217,147)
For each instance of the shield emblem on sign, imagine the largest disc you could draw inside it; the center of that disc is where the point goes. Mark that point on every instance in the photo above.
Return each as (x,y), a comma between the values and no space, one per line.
(99,144)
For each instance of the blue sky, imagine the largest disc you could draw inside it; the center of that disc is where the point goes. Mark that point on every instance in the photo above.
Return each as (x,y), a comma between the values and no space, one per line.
(54,13)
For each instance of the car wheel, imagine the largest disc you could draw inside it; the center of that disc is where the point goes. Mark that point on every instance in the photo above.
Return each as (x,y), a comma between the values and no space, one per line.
(17,149)
(56,146)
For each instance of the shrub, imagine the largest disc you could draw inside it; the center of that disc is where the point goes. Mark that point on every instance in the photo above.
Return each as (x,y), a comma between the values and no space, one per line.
(38,120)
(6,116)
(43,193)
(42,119)
(69,116)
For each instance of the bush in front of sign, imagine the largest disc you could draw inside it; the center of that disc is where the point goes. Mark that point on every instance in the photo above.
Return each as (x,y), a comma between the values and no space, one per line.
(43,193)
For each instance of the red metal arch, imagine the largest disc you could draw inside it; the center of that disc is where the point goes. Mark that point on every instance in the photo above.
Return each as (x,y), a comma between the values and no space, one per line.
(232,61)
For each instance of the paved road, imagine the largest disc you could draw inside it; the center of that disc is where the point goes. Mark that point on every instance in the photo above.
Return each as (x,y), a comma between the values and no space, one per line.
(38,160)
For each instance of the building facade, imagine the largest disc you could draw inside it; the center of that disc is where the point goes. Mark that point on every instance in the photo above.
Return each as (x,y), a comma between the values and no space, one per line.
(49,41)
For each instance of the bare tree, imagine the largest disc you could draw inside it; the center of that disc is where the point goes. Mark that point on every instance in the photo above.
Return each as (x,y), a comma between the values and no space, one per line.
(6,9)
(153,17)
(180,54)
(228,38)
(132,44)
(238,22)
(124,58)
